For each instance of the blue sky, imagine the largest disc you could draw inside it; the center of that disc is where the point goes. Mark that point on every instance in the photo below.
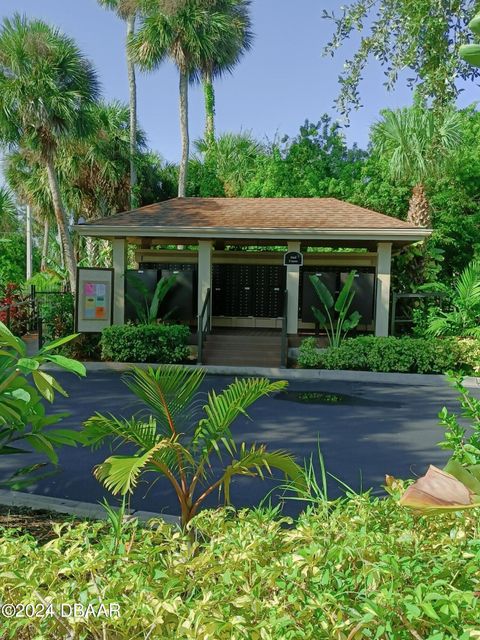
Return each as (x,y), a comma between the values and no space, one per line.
(282,81)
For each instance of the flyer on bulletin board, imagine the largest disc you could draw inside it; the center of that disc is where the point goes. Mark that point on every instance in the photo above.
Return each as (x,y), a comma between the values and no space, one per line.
(95,301)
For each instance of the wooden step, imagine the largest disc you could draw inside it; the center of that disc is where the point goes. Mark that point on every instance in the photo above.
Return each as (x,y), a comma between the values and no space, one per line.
(242,350)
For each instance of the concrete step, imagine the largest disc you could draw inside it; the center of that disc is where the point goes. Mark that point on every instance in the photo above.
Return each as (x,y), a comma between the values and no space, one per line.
(241,361)
(242,340)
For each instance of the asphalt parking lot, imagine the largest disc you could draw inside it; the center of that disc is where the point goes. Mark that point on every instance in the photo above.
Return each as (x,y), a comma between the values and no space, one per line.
(364,431)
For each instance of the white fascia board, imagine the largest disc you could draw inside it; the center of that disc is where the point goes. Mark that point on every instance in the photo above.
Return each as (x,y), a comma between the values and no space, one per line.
(385,235)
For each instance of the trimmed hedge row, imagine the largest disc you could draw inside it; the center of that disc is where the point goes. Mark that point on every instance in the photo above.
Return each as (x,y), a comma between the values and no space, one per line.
(159,343)
(395,355)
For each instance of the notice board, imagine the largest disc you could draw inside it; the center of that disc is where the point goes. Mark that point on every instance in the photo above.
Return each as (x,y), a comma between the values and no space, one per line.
(94,299)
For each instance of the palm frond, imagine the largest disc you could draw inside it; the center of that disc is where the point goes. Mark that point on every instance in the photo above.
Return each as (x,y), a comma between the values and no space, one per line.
(468,285)
(256,460)
(100,428)
(119,474)
(167,391)
(221,410)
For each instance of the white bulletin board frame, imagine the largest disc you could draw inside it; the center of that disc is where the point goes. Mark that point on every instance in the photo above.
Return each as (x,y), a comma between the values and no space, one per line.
(93,300)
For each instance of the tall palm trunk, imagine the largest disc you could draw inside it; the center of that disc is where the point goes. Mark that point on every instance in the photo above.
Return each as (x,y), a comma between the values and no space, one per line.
(132,85)
(209,94)
(46,233)
(182,174)
(67,246)
(419,207)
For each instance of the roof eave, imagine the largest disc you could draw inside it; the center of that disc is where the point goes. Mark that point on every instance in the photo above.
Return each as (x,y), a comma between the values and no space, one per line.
(119,231)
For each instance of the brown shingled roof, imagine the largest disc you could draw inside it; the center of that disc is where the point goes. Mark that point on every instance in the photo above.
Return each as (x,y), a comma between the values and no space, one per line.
(254,213)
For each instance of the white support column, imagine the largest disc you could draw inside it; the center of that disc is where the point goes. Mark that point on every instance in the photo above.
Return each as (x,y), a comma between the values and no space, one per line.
(28,229)
(205,248)
(293,287)
(382,304)
(119,255)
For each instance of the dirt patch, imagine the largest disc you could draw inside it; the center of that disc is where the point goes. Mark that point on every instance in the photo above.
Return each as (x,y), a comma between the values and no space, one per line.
(39,523)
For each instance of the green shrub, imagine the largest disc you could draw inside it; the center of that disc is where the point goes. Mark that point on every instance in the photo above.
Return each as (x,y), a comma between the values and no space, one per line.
(368,566)
(160,343)
(469,350)
(402,355)
(86,346)
(56,311)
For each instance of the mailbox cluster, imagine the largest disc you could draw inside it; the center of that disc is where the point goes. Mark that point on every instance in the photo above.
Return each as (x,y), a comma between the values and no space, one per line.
(243,291)
(248,290)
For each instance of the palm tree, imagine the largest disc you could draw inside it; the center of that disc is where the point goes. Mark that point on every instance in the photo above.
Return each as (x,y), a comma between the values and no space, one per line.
(416,143)
(8,211)
(174,441)
(127,11)
(234,157)
(188,32)
(28,179)
(234,38)
(47,89)
(92,171)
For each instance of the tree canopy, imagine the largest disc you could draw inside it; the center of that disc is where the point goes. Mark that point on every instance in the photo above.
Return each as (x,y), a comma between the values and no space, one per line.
(420,38)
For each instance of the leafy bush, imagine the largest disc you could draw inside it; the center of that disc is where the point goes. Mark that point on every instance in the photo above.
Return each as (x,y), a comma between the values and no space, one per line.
(15,309)
(462,441)
(160,343)
(464,317)
(403,355)
(23,417)
(368,569)
(86,346)
(56,312)
(457,486)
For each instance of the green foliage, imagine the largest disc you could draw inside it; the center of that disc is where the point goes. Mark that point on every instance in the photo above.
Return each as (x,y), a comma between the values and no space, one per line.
(336,322)
(56,312)
(23,386)
(255,576)
(416,142)
(147,312)
(8,212)
(463,319)
(423,39)
(471,52)
(226,166)
(160,343)
(173,442)
(464,444)
(402,355)
(12,264)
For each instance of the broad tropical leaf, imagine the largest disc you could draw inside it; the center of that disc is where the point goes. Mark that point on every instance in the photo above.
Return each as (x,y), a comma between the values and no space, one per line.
(322,292)
(346,294)
(319,316)
(438,491)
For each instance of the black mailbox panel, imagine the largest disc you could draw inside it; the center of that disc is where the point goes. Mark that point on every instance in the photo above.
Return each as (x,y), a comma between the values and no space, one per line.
(134,283)
(364,287)
(178,304)
(309,296)
(248,290)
